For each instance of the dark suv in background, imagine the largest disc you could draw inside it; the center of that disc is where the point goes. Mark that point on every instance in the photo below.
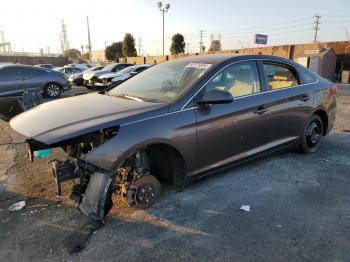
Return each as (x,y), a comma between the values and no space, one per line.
(14,79)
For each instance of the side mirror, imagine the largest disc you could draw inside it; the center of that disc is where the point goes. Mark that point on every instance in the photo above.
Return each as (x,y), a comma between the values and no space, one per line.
(216,96)
(133,73)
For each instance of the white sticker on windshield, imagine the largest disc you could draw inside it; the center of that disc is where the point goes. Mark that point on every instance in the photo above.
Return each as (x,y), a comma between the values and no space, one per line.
(199,65)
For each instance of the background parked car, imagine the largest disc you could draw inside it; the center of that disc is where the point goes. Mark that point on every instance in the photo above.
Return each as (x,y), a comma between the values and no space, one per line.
(77,79)
(71,70)
(15,78)
(81,66)
(91,77)
(113,78)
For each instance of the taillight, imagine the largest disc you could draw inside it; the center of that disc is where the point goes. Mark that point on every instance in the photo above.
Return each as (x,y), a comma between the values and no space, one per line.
(333,90)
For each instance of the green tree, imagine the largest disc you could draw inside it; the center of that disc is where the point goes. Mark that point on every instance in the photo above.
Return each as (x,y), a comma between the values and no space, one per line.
(128,47)
(113,51)
(72,53)
(215,45)
(85,56)
(177,44)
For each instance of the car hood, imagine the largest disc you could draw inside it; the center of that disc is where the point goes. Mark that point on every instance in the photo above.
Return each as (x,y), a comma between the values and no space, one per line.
(90,75)
(62,119)
(109,75)
(120,77)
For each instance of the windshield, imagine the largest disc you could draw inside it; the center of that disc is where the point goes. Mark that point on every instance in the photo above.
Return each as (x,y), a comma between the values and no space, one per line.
(161,83)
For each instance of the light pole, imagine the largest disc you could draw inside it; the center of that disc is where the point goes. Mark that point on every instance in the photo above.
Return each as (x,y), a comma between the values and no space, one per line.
(163,10)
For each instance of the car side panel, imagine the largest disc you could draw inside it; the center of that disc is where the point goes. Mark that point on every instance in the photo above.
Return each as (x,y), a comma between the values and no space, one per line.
(288,110)
(175,129)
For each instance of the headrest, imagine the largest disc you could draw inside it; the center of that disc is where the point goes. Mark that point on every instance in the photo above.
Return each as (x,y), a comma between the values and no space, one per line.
(243,75)
(281,76)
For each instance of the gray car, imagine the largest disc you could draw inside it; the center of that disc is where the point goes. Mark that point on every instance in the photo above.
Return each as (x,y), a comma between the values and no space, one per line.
(178,121)
(17,78)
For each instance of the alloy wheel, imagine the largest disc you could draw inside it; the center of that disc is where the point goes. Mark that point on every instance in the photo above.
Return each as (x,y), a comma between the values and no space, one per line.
(53,90)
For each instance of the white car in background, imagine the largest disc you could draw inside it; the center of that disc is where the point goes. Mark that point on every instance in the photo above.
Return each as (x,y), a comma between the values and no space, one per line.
(110,79)
(83,67)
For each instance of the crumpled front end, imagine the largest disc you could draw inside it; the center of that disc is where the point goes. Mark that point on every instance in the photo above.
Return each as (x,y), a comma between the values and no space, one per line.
(12,105)
(93,193)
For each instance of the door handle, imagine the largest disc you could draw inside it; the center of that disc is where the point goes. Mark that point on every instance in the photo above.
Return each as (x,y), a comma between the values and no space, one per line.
(260,110)
(305,98)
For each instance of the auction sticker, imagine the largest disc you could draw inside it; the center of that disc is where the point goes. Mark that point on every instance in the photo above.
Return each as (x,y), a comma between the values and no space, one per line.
(199,65)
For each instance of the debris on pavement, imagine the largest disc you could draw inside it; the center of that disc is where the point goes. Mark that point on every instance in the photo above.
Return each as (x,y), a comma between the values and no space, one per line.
(38,206)
(245,208)
(17,206)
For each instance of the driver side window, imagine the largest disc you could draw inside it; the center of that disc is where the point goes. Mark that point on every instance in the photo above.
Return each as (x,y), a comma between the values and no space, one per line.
(239,79)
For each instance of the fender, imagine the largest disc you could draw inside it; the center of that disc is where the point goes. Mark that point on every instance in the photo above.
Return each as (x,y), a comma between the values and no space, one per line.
(170,129)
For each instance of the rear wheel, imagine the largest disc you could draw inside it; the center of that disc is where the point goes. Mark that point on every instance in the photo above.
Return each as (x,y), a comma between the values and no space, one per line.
(52,90)
(312,135)
(148,191)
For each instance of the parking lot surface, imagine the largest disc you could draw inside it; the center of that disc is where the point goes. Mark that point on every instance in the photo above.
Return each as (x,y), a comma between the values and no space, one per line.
(299,211)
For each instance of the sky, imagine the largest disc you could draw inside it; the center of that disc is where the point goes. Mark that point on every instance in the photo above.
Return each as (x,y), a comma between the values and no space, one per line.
(33,24)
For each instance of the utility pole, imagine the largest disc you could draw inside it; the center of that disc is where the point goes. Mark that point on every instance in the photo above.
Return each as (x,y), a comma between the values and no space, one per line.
(140,40)
(201,41)
(64,38)
(346,32)
(316,27)
(163,10)
(188,48)
(89,39)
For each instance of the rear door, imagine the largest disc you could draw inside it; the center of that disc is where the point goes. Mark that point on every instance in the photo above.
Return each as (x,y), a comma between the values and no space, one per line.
(288,101)
(229,132)
(10,82)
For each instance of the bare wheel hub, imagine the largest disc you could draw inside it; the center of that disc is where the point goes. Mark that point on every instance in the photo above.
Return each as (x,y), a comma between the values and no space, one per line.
(313,134)
(145,194)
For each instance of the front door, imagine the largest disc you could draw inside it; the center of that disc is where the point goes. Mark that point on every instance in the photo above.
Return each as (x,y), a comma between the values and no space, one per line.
(228,132)
(10,82)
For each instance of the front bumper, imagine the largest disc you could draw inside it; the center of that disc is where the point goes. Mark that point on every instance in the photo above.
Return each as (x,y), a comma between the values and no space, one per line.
(67,86)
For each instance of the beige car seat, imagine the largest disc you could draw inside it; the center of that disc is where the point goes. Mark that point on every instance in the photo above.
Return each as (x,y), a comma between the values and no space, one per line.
(282,79)
(242,84)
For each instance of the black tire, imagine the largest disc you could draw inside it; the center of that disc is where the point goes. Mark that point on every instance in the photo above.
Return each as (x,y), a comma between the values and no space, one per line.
(148,191)
(52,90)
(312,135)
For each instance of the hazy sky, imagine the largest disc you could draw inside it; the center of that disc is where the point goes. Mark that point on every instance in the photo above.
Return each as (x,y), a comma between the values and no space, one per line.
(31,24)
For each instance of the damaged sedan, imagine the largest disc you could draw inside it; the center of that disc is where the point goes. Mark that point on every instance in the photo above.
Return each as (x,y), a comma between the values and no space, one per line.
(178,121)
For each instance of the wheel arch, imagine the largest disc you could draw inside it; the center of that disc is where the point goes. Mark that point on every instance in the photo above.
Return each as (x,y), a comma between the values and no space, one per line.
(324,117)
(166,161)
(53,82)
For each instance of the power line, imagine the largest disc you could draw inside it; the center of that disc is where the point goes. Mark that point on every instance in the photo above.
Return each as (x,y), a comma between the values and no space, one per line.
(265,26)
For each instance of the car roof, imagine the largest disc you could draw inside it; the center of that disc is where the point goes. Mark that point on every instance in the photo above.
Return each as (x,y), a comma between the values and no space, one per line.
(220,58)
(26,66)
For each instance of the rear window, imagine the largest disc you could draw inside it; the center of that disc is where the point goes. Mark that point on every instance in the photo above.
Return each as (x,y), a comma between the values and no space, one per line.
(306,78)
(279,76)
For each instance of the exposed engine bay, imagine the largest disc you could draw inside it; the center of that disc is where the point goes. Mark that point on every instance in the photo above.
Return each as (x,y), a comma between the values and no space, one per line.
(93,194)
